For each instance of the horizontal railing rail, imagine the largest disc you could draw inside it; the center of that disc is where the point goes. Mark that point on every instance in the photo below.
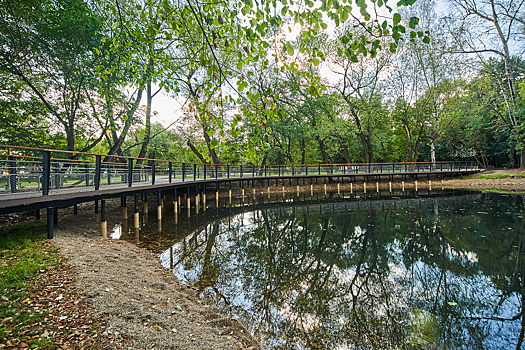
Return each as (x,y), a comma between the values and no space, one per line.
(40,170)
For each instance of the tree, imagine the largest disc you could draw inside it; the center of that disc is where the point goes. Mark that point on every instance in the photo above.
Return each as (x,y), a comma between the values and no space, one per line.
(495,28)
(52,53)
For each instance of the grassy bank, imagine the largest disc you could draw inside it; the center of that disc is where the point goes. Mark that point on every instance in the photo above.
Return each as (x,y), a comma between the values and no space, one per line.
(24,255)
(39,307)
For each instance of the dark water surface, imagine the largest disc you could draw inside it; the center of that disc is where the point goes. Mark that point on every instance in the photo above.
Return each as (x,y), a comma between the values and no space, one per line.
(355,272)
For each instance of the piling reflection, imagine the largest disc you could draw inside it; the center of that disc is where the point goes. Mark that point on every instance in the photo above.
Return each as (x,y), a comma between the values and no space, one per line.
(441,274)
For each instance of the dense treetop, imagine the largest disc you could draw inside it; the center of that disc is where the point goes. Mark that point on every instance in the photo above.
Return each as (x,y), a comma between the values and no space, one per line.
(267,81)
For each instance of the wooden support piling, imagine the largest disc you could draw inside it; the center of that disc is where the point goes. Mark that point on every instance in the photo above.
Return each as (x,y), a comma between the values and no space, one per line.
(50,223)
(103,222)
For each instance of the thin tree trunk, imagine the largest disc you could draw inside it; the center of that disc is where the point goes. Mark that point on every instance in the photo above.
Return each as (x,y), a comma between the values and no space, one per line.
(409,140)
(303,151)
(433,151)
(196,151)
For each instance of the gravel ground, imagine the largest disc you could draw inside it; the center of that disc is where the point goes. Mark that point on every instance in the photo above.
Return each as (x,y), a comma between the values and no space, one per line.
(143,304)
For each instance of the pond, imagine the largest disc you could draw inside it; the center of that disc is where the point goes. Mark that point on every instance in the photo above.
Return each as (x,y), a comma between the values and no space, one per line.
(356,272)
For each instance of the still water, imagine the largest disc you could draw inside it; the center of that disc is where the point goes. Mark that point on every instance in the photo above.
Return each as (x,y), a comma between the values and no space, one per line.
(348,272)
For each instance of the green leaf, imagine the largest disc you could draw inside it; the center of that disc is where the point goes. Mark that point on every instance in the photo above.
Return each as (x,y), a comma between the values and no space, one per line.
(426,40)
(289,49)
(397,19)
(393,47)
(315,61)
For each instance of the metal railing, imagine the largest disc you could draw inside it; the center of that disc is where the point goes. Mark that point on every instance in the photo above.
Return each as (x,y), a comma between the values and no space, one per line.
(47,171)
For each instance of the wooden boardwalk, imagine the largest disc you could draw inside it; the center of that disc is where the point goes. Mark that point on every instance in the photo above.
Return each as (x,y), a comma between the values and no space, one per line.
(67,197)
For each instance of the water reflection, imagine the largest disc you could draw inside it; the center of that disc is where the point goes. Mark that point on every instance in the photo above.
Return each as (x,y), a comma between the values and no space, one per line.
(436,274)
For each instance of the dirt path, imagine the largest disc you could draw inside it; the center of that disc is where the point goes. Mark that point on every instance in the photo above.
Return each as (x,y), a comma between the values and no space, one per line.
(142,303)
(513,182)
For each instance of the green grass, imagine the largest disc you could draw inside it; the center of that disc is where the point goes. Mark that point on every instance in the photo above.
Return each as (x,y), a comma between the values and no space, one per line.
(23,255)
(494,176)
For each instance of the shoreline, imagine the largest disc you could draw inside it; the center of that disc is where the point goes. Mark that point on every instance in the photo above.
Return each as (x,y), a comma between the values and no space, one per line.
(142,303)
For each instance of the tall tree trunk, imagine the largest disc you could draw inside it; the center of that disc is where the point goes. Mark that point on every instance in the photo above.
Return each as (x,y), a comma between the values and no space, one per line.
(117,146)
(361,136)
(370,149)
(345,150)
(145,143)
(326,160)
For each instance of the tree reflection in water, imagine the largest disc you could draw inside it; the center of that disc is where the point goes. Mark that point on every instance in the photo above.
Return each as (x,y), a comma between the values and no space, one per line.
(442,275)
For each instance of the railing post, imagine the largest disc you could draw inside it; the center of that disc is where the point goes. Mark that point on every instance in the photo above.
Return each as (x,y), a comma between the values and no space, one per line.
(12,173)
(153,172)
(130,172)
(307,170)
(204,171)
(228,170)
(87,173)
(170,171)
(265,170)
(319,168)
(57,175)
(381,167)
(216,173)
(253,170)
(405,167)
(331,169)
(417,166)
(183,171)
(109,174)
(241,169)
(98,165)
(46,171)
(279,169)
